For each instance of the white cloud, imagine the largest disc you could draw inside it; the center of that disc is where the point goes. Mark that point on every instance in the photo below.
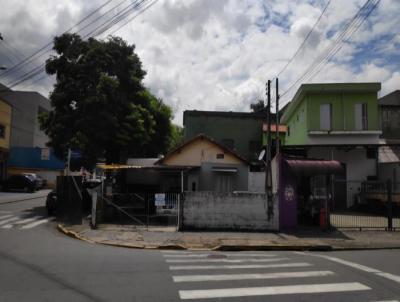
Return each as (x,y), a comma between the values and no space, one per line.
(217,55)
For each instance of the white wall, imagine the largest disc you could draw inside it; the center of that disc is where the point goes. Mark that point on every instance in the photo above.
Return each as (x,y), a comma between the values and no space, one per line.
(358,166)
(230,211)
(256,181)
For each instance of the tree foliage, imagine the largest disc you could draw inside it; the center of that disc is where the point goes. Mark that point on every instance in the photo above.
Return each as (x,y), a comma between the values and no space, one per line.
(257,106)
(100,105)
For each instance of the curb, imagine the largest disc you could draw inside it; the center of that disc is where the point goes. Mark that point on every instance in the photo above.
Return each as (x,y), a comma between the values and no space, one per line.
(62,229)
(233,248)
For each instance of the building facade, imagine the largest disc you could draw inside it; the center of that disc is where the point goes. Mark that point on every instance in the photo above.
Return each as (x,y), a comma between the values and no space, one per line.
(5,131)
(237,131)
(337,122)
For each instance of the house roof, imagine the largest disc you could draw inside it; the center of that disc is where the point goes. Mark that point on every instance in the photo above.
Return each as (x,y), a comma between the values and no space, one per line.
(4,88)
(326,88)
(391,99)
(200,137)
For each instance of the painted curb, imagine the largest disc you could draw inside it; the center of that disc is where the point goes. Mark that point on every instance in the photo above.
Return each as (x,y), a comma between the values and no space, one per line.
(233,248)
(61,228)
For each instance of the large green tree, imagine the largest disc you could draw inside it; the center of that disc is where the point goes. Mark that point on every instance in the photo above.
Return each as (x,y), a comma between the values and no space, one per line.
(100,105)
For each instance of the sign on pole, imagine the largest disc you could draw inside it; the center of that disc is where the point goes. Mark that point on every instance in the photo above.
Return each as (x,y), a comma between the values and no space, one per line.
(159,199)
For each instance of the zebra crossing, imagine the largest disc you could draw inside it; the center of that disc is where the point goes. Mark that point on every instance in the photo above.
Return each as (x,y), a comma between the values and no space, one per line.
(23,222)
(277,275)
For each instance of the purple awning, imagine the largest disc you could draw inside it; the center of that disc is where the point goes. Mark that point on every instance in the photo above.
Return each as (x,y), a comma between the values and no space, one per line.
(314,167)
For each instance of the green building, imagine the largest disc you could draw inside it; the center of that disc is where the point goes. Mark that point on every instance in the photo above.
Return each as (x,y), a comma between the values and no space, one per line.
(333,114)
(238,131)
(337,121)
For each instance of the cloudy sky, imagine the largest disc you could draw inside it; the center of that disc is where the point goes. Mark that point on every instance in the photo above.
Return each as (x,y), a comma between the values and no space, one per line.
(217,54)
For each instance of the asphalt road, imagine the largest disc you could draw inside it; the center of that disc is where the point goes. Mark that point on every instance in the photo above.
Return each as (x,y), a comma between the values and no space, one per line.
(39,264)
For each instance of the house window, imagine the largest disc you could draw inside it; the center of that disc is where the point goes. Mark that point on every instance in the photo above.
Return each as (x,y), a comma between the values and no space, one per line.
(223,182)
(288,131)
(229,143)
(193,186)
(361,118)
(220,155)
(2,131)
(325,116)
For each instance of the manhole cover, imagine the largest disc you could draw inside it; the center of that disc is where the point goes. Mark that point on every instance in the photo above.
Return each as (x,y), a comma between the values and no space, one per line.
(216,256)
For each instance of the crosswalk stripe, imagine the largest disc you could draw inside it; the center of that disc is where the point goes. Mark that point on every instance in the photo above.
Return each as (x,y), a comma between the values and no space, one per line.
(22,221)
(351,264)
(240,266)
(36,223)
(175,252)
(272,290)
(6,221)
(5,216)
(230,277)
(223,260)
(392,277)
(224,254)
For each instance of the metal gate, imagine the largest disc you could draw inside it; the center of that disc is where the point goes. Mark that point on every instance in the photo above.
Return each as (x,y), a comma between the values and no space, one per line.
(365,205)
(142,209)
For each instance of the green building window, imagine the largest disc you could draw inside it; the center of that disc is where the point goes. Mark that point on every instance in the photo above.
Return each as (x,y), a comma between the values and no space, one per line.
(361,116)
(325,117)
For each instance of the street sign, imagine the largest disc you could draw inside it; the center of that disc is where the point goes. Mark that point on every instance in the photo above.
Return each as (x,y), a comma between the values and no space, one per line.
(159,199)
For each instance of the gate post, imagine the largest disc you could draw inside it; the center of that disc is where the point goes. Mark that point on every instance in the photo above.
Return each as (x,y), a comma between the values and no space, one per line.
(389,204)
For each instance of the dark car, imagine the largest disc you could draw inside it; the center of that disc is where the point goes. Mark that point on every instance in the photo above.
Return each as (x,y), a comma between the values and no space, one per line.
(51,203)
(19,182)
(39,183)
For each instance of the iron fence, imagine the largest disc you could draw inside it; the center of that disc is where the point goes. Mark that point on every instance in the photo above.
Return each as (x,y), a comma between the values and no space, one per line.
(365,205)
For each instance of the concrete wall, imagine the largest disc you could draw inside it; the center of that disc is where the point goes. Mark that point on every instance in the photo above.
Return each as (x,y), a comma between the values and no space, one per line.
(229,211)
(256,181)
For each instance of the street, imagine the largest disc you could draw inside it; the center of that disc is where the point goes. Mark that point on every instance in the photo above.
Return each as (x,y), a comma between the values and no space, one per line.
(40,264)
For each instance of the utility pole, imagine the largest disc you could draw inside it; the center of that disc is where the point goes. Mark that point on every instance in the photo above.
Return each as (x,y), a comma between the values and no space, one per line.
(268,176)
(277,115)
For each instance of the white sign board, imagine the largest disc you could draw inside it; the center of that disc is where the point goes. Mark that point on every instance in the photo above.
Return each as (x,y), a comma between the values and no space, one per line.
(45,154)
(159,199)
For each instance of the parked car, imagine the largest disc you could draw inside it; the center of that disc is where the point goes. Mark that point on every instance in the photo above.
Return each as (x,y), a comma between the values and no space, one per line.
(19,182)
(51,203)
(39,183)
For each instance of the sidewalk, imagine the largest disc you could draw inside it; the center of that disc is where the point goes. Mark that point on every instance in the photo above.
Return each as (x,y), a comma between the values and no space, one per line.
(8,197)
(168,238)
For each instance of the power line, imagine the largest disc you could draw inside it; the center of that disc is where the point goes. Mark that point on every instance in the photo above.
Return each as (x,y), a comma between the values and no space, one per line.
(349,30)
(304,41)
(33,72)
(29,58)
(117,18)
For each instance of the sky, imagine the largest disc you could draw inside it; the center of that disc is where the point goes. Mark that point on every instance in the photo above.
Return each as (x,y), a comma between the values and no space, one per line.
(217,54)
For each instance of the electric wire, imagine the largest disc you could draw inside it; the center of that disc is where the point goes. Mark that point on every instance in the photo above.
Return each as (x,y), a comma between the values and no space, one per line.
(335,47)
(304,41)
(111,22)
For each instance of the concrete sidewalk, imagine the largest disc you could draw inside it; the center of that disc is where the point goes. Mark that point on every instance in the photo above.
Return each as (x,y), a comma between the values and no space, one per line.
(8,197)
(168,238)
